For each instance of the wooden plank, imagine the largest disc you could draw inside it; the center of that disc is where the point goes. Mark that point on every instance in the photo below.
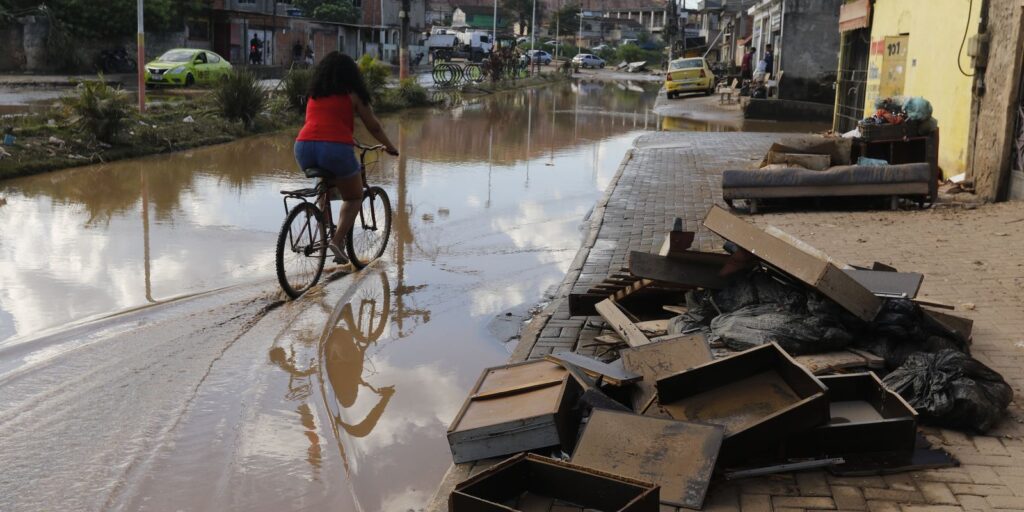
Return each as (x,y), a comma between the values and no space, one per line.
(678,456)
(611,339)
(629,332)
(679,310)
(830,362)
(671,270)
(887,283)
(661,359)
(609,373)
(873,362)
(816,272)
(653,327)
(518,388)
(631,289)
(934,304)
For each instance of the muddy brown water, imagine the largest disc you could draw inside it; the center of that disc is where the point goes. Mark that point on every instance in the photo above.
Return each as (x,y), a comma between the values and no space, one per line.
(149,362)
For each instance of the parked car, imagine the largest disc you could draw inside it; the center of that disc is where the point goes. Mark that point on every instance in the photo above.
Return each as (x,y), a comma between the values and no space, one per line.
(586,60)
(540,56)
(628,41)
(600,48)
(689,75)
(186,66)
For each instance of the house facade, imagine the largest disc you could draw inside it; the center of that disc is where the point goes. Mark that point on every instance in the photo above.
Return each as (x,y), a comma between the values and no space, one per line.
(805,45)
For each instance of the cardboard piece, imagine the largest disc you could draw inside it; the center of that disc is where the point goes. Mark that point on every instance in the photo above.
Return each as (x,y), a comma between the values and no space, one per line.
(616,376)
(528,478)
(811,269)
(759,396)
(678,456)
(515,408)
(661,359)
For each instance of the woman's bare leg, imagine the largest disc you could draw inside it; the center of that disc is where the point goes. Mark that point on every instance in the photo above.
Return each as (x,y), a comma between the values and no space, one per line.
(351,190)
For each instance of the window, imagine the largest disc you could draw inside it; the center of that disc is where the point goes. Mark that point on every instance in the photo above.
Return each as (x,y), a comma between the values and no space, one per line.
(212,58)
(201,58)
(250,2)
(686,64)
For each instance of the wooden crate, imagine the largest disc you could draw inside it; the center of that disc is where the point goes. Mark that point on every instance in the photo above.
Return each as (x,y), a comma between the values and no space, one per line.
(760,396)
(516,408)
(528,477)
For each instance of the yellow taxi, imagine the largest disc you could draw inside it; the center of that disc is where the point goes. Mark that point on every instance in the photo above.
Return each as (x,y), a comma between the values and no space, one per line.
(689,75)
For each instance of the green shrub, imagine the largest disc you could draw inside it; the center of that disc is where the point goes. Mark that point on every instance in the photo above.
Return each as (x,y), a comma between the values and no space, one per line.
(239,97)
(98,110)
(295,86)
(412,93)
(375,73)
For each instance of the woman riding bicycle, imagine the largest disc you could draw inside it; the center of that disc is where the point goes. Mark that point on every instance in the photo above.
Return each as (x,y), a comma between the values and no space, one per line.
(336,94)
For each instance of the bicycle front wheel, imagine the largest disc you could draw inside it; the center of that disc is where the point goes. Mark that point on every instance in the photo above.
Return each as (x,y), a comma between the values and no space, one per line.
(371,230)
(301,249)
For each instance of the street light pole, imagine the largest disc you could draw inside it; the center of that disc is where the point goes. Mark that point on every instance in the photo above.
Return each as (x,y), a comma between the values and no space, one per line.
(140,59)
(533,31)
(403,51)
(494,28)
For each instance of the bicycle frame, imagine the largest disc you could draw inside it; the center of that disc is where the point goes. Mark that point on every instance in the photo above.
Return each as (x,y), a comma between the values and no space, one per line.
(323,201)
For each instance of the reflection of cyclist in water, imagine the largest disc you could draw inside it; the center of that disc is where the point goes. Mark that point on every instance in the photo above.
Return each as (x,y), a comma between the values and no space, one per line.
(343,359)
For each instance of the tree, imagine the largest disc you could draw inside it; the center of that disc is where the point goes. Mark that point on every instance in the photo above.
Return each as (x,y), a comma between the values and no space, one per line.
(341,11)
(84,19)
(524,11)
(568,19)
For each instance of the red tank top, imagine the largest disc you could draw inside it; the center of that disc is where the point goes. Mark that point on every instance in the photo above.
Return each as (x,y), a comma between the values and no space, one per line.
(328,119)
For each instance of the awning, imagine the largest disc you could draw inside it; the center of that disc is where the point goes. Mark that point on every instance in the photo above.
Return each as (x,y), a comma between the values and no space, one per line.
(854,15)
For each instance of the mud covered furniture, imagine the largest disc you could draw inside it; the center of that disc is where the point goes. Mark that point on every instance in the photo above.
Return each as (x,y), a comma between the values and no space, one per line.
(531,482)
(907,180)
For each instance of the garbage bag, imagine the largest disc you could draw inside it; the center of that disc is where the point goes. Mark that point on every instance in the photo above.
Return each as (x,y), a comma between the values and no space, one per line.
(918,109)
(797,333)
(951,389)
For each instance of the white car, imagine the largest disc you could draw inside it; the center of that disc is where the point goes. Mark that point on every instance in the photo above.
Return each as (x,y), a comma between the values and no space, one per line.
(586,60)
(540,56)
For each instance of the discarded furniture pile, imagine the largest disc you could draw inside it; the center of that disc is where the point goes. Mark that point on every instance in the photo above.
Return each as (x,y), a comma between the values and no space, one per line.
(840,167)
(763,359)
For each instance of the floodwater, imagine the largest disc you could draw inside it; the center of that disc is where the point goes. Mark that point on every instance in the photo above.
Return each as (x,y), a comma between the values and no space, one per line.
(148,360)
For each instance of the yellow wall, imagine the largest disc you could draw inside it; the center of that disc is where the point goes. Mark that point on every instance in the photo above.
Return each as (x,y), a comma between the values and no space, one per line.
(935,29)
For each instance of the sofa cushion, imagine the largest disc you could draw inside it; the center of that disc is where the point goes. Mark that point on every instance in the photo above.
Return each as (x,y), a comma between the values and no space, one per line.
(833,176)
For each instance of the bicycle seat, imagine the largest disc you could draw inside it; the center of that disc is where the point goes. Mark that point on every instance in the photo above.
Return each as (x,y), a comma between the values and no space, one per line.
(316,172)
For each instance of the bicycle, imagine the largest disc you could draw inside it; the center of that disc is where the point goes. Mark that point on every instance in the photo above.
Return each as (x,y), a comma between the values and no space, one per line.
(305,233)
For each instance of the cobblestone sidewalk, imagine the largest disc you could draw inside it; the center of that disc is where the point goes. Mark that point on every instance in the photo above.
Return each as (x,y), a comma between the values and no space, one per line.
(973,258)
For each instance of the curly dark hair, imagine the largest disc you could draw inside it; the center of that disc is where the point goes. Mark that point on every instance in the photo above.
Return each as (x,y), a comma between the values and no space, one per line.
(337,73)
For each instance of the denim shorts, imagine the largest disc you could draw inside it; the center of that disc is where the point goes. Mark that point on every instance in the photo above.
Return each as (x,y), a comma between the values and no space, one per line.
(334,157)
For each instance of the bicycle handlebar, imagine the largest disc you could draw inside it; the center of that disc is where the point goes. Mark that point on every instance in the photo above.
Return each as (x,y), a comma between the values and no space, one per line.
(364,147)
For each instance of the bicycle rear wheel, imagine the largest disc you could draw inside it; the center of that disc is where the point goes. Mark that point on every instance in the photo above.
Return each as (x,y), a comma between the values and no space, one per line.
(369,235)
(301,249)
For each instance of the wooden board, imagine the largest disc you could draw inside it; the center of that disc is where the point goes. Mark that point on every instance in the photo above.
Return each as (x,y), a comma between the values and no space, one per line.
(629,332)
(653,327)
(678,456)
(829,362)
(610,373)
(814,271)
(676,271)
(661,359)
(888,283)
(739,404)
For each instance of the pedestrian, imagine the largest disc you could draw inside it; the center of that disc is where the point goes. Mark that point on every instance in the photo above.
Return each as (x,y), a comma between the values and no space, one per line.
(769,60)
(746,68)
(759,72)
(309,56)
(297,53)
(337,94)
(254,49)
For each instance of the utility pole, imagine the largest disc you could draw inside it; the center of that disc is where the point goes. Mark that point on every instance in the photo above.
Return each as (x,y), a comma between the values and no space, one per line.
(533,30)
(403,52)
(271,46)
(494,29)
(558,33)
(140,58)
(580,36)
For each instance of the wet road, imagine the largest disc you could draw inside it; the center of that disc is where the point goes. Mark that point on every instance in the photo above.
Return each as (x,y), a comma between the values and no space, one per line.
(148,360)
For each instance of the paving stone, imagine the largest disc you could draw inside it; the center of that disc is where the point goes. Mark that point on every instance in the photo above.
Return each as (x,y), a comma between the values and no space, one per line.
(848,498)
(813,484)
(937,493)
(981,489)
(755,503)
(1006,502)
(803,502)
(899,496)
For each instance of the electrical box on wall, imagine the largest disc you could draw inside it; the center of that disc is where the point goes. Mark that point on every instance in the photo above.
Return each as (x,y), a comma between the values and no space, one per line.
(977,49)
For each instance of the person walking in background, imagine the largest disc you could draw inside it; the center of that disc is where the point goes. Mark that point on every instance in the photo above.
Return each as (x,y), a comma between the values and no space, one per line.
(769,60)
(747,67)
(254,49)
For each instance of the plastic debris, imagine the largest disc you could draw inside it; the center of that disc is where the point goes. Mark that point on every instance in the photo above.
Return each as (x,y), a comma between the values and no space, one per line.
(188,119)
(952,389)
